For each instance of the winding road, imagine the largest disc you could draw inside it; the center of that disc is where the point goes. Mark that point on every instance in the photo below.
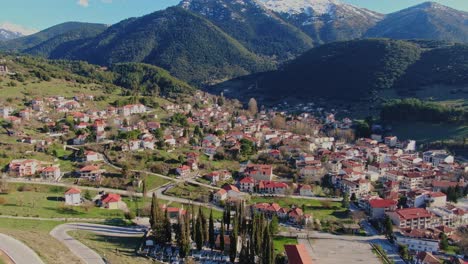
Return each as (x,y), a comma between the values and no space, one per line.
(88,255)
(18,251)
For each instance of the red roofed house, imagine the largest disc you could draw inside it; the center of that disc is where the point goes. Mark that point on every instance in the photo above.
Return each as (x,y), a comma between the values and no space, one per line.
(73,197)
(111,201)
(52,173)
(247,184)
(183,171)
(91,172)
(297,254)
(92,156)
(259,172)
(378,207)
(22,168)
(272,187)
(173,212)
(426,258)
(219,196)
(305,190)
(411,218)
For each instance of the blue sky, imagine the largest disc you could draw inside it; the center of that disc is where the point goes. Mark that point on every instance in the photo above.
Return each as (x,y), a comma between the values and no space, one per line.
(40,14)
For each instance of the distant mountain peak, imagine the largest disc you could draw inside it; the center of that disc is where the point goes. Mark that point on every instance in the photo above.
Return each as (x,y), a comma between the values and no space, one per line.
(309,7)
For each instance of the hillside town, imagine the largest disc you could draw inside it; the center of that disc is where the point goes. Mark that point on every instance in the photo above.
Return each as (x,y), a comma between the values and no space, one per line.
(248,158)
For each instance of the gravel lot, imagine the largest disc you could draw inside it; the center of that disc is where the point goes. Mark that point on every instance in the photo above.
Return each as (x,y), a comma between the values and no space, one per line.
(331,251)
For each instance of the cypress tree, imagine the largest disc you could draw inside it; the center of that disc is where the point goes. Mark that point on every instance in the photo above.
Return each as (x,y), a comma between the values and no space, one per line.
(204,226)
(233,238)
(154,213)
(198,233)
(221,236)
(167,227)
(211,234)
(144,189)
(267,253)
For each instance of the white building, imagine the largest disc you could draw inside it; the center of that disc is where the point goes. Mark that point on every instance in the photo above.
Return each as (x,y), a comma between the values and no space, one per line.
(73,197)
(417,244)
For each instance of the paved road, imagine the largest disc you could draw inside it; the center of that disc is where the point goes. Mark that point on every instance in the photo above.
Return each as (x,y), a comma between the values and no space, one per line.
(160,194)
(88,255)
(299,197)
(18,252)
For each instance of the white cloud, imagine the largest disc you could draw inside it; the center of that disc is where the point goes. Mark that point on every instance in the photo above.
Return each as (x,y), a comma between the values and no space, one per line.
(17,28)
(83,3)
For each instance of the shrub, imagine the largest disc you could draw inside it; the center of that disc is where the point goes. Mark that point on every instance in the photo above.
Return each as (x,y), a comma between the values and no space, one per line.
(129,215)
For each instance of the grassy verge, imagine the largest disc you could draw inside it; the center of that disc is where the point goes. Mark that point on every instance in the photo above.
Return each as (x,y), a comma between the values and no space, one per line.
(322,210)
(35,234)
(153,182)
(117,250)
(427,132)
(279,243)
(190,191)
(48,202)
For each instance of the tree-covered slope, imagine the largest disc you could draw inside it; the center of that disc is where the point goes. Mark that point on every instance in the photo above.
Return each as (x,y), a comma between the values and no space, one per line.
(50,38)
(430,21)
(349,69)
(257,28)
(187,45)
(137,78)
(446,64)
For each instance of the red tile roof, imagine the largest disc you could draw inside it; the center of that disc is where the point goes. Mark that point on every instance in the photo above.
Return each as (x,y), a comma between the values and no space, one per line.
(382,203)
(297,254)
(73,191)
(111,198)
(412,213)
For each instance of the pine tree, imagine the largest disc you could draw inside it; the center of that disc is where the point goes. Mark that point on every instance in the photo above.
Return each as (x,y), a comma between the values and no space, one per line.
(167,228)
(227,216)
(184,241)
(443,241)
(274,224)
(267,253)
(211,234)
(157,221)
(204,225)
(233,238)
(144,189)
(198,233)
(221,236)
(154,210)
(345,201)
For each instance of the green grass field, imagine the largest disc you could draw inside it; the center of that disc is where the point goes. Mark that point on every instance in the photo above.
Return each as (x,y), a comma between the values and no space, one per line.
(279,243)
(47,202)
(319,209)
(189,191)
(118,250)
(426,132)
(153,182)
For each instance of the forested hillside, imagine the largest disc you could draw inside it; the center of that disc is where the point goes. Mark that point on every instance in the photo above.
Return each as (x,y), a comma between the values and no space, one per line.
(137,78)
(360,69)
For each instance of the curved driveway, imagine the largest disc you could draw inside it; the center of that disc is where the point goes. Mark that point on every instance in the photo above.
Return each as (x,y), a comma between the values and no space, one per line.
(88,255)
(17,251)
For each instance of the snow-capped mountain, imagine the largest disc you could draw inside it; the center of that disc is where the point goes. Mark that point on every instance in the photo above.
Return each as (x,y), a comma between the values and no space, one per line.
(322,20)
(325,20)
(7,34)
(295,7)
(259,29)
(10,31)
